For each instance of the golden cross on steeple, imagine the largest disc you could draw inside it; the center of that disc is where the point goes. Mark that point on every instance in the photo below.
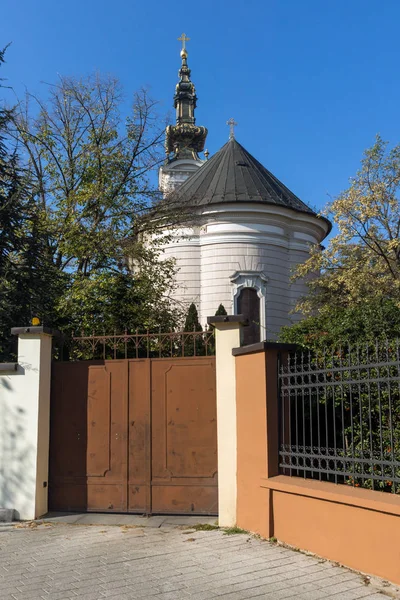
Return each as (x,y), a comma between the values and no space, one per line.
(183,39)
(232,124)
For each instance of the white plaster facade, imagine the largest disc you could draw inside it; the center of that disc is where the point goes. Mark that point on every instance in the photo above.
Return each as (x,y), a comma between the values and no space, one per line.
(25,427)
(173,174)
(245,245)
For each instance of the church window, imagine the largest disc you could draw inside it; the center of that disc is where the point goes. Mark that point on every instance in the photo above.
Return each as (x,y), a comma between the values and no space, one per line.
(248,304)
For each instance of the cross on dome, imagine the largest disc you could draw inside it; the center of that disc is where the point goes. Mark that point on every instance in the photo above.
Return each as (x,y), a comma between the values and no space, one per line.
(232,124)
(183,39)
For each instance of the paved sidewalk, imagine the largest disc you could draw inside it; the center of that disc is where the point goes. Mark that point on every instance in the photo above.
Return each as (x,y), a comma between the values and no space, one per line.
(56,561)
(124,519)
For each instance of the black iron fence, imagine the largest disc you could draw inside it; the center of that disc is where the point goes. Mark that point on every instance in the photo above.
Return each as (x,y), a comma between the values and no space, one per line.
(340,416)
(138,345)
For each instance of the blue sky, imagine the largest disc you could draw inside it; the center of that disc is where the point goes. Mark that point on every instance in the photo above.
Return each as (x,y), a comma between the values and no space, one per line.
(310,82)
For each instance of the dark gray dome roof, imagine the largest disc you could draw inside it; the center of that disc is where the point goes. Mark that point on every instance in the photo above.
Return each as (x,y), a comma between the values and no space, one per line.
(234,175)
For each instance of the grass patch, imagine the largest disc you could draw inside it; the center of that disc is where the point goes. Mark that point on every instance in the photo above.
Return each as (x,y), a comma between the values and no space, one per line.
(208,527)
(273,540)
(234,530)
(203,527)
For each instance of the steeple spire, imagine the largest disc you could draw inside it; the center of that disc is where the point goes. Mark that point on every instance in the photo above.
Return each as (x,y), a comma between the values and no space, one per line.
(184,139)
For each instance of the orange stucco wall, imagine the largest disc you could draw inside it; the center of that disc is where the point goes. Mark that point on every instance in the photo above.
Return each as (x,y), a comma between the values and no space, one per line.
(251,435)
(356,527)
(348,532)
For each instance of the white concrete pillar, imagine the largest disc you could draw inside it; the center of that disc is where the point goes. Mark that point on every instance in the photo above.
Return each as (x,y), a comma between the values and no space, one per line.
(25,425)
(227,337)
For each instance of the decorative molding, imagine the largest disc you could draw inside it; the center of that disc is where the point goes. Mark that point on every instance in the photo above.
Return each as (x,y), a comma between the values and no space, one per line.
(215,240)
(256,280)
(244,227)
(250,279)
(182,165)
(253,238)
(268,211)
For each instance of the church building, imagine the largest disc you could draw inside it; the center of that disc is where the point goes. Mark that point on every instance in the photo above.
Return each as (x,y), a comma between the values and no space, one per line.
(250,230)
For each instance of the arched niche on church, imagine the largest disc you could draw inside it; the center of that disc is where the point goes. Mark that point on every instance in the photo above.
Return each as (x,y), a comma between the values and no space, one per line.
(249,291)
(248,304)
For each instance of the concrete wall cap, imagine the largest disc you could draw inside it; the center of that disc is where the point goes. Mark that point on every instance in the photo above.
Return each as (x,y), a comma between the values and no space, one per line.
(333,492)
(262,346)
(35,330)
(241,319)
(6,367)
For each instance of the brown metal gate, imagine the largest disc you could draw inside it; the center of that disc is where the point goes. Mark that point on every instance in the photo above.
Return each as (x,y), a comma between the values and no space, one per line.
(134,436)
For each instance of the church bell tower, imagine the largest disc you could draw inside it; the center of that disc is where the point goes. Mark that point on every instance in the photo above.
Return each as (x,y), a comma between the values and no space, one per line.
(184,140)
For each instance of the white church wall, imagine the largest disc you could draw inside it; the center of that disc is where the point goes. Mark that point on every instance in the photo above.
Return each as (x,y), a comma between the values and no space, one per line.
(220,261)
(257,239)
(261,239)
(298,287)
(184,249)
(175,173)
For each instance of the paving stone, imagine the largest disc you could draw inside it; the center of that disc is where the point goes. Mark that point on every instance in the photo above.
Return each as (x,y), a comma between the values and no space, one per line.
(103,560)
(372,597)
(355,594)
(89,596)
(25,597)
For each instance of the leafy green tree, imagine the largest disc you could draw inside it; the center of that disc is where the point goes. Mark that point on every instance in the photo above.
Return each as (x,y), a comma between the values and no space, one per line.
(192,322)
(354,283)
(26,278)
(363,260)
(221,311)
(119,300)
(194,344)
(11,221)
(89,169)
(89,188)
(376,319)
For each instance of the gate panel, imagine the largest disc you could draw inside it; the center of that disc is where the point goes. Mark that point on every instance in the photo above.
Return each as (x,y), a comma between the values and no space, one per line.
(68,433)
(134,435)
(88,443)
(98,422)
(139,476)
(184,436)
(107,426)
